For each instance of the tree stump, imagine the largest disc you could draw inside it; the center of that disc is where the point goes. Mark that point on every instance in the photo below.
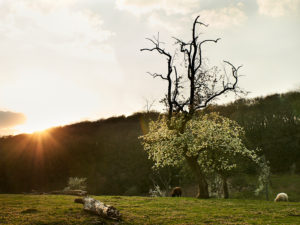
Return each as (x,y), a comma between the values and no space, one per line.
(99,208)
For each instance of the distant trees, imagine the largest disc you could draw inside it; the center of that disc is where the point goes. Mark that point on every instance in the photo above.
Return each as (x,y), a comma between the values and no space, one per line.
(271,123)
(191,85)
(112,158)
(106,152)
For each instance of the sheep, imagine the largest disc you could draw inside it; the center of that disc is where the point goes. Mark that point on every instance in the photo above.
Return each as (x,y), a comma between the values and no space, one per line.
(176,192)
(281,197)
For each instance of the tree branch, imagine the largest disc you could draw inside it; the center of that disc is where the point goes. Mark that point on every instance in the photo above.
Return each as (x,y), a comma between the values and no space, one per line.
(226,87)
(154,75)
(209,40)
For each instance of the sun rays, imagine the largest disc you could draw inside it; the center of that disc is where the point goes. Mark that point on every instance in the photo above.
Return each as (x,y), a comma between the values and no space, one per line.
(35,148)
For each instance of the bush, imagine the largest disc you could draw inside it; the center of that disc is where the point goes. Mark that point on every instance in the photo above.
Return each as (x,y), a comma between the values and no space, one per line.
(215,186)
(157,192)
(77,183)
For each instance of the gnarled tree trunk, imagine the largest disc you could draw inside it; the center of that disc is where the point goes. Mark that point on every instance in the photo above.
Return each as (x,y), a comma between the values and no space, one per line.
(225,187)
(202,189)
(202,183)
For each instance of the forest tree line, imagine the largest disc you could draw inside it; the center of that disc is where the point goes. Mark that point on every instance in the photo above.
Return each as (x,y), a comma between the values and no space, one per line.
(109,154)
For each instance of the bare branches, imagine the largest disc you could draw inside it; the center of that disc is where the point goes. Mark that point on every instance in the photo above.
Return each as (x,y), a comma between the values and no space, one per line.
(149,104)
(156,42)
(195,84)
(198,22)
(209,40)
(176,90)
(179,107)
(228,86)
(154,75)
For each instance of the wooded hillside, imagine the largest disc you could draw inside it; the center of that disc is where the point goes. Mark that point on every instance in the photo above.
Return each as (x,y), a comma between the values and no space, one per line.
(109,153)
(271,123)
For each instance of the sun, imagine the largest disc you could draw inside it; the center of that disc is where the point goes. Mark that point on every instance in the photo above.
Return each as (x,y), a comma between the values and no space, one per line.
(36,122)
(32,128)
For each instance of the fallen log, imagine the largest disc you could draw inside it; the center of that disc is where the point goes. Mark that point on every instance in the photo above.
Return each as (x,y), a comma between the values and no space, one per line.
(99,208)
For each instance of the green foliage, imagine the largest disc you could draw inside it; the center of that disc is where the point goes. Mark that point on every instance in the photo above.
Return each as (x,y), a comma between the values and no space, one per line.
(163,145)
(216,141)
(243,185)
(264,177)
(77,183)
(215,185)
(271,123)
(157,192)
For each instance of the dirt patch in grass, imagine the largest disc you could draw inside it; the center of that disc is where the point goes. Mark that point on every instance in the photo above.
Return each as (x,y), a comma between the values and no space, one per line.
(30,211)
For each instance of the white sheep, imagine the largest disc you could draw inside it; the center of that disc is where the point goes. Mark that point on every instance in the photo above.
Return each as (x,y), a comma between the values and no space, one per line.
(281,197)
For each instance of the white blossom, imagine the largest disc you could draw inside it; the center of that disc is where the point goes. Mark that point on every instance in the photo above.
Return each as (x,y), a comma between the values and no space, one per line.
(215,140)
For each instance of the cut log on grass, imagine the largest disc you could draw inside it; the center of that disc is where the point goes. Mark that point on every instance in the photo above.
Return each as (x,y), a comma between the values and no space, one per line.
(99,208)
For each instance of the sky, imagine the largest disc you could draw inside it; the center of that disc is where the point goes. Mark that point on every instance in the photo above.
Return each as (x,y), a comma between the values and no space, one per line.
(72,60)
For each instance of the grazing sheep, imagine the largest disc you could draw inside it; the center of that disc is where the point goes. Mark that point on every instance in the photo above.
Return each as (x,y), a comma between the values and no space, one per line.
(176,192)
(281,197)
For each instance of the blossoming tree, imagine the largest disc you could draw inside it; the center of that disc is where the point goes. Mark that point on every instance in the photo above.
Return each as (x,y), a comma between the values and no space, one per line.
(214,142)
(191,86)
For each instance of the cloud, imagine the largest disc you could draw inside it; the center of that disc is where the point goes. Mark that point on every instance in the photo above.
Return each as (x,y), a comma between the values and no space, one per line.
(58,57)
(33,23)
(277,8)
(155,21)
(11,119)
(48,5)
(224,17)
(170,7)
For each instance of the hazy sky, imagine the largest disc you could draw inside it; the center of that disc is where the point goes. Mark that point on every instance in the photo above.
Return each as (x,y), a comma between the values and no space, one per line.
(71,60)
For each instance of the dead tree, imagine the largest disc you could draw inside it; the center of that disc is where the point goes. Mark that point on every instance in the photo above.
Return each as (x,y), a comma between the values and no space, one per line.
(149,105)
(192,84)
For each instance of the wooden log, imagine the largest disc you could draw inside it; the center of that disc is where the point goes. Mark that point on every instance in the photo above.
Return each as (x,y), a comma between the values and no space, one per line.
(99,208)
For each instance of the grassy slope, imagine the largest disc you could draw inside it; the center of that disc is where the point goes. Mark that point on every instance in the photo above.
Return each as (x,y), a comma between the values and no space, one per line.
(50,209)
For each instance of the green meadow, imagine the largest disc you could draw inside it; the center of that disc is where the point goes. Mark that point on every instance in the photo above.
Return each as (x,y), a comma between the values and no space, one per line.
(60,209)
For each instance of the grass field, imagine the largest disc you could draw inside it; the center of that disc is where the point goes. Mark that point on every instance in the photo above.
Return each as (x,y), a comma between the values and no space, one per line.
(59,209)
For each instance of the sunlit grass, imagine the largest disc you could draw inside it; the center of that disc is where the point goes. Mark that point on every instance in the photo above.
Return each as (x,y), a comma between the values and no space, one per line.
(58,209)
